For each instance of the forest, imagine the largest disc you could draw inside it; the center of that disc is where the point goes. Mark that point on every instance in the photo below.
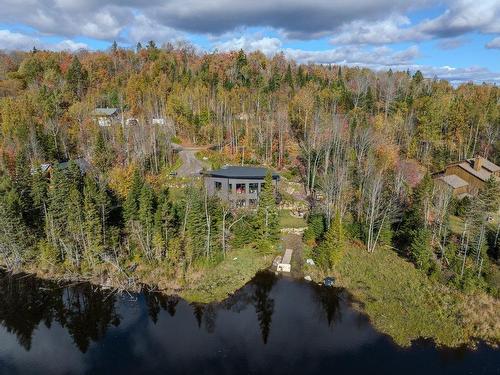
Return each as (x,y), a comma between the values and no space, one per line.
(363,145)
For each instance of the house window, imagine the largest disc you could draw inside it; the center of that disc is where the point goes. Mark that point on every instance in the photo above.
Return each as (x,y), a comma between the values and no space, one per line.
(218,185)
(241,203)
(241,188)
(252,202)
(253,187)
(262,186)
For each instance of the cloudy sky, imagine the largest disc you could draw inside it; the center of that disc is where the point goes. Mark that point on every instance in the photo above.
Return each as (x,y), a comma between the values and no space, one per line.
(454,39)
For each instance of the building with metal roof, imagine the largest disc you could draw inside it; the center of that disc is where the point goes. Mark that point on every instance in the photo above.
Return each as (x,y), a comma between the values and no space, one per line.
(240,185)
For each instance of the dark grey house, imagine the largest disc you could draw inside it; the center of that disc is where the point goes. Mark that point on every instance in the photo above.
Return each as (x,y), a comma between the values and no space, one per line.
(240,185)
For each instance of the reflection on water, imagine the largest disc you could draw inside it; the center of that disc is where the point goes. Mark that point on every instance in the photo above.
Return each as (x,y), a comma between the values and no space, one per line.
(272,325)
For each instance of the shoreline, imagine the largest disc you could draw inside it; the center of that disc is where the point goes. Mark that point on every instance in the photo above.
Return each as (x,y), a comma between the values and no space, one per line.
(355,300)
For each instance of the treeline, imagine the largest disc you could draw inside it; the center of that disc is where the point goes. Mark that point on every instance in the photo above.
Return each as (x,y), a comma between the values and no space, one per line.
(69,219)
(234,100)
(358,140)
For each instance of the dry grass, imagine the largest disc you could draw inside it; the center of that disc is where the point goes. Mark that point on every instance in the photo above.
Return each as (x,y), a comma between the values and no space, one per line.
(403,302)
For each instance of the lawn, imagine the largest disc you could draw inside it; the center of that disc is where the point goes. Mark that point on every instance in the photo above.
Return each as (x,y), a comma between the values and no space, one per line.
(289,221)
(217,283)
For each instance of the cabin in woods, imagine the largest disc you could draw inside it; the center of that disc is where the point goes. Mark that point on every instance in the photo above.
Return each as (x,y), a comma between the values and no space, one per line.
(467,177)
(106,117)
(239,185)
(46,168)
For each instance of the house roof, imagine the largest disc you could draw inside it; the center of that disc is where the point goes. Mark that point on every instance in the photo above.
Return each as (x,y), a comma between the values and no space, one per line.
(104,111)
(488,165)
(454,181)
(83,164)
(258,173)
(483,174)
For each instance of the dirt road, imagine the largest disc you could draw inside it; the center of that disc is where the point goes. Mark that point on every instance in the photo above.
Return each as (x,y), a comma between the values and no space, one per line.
(191,166)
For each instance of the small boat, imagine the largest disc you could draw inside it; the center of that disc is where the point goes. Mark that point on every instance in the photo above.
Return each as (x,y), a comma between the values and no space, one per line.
(329,281)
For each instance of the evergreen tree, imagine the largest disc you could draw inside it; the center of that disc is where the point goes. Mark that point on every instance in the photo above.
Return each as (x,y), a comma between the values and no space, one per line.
(22,184)
(330,251)
(267,220)
(93,222)
(289,78)
(420,249)
(102,157)
(131,205)
(77,78)
(39,196)
(146,217)
(15,238)
(72,239)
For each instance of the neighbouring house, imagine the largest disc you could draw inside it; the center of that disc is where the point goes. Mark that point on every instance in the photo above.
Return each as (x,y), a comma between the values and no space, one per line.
(43,168)
(467,177)
(82,164)
(106,117)
(46,168)
(239,185)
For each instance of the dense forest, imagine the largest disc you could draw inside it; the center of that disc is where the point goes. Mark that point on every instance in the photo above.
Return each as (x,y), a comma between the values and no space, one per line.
(363,144)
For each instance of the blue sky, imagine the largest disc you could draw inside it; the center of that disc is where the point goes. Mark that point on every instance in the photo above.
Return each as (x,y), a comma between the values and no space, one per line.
(456,40)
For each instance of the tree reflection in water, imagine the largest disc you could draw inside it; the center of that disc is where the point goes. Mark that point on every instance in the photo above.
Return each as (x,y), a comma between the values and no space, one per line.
(329,300)
(156,302)
(84,311)
(264,305)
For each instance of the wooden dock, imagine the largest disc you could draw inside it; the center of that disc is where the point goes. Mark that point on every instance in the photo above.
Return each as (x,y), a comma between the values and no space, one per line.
(285,264)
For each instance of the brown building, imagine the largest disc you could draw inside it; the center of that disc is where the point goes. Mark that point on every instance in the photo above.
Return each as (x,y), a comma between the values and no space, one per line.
(467,177)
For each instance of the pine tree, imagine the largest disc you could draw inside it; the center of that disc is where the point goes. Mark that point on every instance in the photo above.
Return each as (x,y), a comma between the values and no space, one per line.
(146,218)
(267,220)
(77,78)
(15,238)
(289,78)
(421,250)
(39,196)
(22,184)
(131,205)
(93,222)
(102,156)
(330,251)
(73,240)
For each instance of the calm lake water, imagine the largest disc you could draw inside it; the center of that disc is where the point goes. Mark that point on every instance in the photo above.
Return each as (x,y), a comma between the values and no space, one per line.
(272,326)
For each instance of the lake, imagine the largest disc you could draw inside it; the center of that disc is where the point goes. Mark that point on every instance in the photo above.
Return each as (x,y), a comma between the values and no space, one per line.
(271,326)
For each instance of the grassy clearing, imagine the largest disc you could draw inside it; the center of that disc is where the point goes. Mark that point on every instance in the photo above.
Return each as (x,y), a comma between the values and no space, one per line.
(289,221)
(406,304)
(239,267)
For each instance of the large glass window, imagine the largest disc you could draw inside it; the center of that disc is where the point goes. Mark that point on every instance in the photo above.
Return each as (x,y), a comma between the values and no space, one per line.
(253,187)
(218,185)
(241,188)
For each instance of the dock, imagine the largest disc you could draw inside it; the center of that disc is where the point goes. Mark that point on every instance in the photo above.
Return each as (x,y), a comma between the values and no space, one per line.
(285,264)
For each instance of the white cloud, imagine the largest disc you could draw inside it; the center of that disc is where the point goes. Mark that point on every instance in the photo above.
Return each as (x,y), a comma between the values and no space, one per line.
(11,40)
(145,29)
(67,45)
(460,17)
(493,44)
(378,32)
(17,41)
(268,46)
